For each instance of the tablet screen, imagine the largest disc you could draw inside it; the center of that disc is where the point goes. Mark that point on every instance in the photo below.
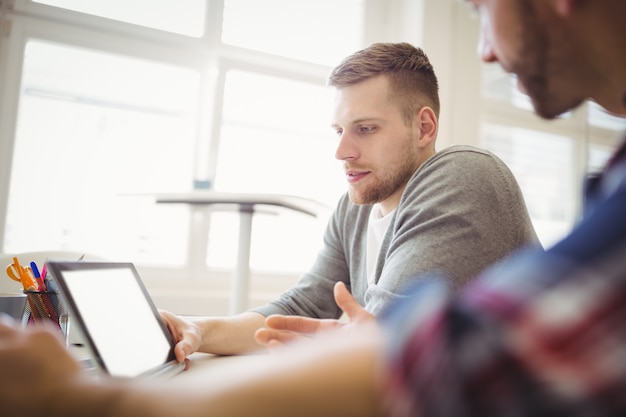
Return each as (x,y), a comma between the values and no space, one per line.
(117,317)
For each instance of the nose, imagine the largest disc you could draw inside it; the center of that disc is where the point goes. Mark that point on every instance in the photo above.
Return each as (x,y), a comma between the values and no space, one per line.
(485,44)
(347,149)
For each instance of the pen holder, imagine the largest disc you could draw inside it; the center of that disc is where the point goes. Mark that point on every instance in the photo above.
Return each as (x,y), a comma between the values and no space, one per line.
(44,306)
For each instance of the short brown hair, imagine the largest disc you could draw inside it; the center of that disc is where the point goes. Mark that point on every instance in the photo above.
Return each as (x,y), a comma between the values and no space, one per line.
(411,76)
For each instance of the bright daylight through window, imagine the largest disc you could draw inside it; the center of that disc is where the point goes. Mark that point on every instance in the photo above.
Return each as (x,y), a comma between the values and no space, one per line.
(121,100)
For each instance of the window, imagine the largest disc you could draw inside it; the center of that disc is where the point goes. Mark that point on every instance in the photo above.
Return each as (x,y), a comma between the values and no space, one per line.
(89,125)
(321,31)
(258,119)
(178,16)
(119,100)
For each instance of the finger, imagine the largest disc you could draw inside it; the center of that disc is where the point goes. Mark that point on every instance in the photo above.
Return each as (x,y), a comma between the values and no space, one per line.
(346,301)
(186,344)
(181,351)
(274,345)
(296,324)
(168,319)
(183,333)
(270,337)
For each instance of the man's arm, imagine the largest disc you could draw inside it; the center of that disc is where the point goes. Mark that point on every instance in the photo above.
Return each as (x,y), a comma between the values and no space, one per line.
(334,375)
(218,335)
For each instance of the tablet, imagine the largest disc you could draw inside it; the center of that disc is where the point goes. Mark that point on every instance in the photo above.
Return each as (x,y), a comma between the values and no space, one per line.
(118,320)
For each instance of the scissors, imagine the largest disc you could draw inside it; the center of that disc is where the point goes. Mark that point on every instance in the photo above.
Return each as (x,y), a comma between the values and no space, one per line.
(18,273)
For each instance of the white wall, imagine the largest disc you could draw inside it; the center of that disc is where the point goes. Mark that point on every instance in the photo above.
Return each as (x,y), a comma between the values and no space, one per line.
(450,36)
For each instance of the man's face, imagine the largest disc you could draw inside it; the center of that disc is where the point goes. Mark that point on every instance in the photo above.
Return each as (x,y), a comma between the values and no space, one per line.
(378,149)
(525,38)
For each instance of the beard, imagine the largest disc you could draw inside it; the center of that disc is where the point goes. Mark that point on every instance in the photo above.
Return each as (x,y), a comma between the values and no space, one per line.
(547,100)
(539,69)
(387,183)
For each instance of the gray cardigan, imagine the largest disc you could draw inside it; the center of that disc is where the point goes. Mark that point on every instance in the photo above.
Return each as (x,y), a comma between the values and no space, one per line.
(461,211)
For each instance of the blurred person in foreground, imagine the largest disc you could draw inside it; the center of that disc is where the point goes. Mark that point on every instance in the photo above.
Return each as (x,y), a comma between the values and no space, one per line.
(540,334)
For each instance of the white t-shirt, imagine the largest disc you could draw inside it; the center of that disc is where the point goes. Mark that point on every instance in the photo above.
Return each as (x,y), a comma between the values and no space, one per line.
(376,228)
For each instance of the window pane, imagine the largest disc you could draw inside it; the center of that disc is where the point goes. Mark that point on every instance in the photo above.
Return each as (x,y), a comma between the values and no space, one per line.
(95,130)
(544,166)
(179,16)
(321,31)
(598,117)
(500,86)
(276,138)
(598,156)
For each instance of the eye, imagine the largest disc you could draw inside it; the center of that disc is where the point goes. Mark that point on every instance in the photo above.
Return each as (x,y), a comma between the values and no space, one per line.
(338,132)
(365,129)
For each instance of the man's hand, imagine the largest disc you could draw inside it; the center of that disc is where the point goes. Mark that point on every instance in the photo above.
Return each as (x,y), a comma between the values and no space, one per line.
(186,335)
(33,363)
(281,329)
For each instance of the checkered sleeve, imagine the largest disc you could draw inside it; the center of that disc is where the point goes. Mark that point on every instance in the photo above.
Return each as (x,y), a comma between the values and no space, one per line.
(541,334)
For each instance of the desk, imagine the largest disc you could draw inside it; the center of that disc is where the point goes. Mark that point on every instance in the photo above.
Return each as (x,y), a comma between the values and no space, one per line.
(245,203)
(206,368)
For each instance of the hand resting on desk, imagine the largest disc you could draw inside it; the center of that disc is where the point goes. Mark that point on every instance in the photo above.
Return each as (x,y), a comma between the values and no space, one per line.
(187,334)
(280,329)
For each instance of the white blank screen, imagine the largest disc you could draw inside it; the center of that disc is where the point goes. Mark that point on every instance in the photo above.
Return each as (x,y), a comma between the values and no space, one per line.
(119,319)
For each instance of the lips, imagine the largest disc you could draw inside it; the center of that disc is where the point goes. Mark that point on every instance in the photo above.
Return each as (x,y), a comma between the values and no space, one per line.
(353,175)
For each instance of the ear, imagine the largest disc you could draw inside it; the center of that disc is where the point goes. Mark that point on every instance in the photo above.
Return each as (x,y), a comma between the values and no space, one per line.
(427,124)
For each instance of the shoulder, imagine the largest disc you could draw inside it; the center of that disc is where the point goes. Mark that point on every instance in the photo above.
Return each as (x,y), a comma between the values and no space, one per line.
(462,161)
(465,163)
(462,172)
(464,154)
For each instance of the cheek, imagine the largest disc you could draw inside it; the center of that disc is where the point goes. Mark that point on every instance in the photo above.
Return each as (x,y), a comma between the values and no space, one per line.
(504,28)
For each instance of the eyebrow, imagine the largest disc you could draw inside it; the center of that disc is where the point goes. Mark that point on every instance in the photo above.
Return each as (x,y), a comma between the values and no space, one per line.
(366,120)
(360,120)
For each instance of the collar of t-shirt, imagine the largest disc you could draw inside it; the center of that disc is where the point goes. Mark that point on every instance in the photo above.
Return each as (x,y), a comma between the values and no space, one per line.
(376,228)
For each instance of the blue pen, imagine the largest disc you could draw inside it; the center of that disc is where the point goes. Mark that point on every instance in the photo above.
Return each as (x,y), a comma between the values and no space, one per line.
(33,266)
(42,285)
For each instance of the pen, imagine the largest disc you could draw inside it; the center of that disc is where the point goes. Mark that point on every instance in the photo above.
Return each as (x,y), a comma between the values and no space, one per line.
(45,296)
(38,279)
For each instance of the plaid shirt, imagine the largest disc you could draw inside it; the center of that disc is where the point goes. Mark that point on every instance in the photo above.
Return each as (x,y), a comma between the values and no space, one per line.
(540,334)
